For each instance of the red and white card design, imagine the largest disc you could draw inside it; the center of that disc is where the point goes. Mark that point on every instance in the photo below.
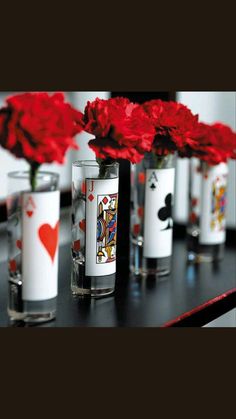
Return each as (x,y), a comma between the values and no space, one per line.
(158,222)
(40,232)
(101,226)
(213,205)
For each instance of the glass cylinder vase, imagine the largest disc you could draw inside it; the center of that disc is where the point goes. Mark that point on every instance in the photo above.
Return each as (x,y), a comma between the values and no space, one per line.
(94,228)
(33,233)
(151,234)
(206,232)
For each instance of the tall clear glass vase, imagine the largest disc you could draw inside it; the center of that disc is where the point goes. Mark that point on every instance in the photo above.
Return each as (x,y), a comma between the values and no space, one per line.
(206,232)
(33,235)
(151,234)
(94,228)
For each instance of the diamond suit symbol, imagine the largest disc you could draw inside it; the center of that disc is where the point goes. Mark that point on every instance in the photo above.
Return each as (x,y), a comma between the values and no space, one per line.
(105,200)
(91,197)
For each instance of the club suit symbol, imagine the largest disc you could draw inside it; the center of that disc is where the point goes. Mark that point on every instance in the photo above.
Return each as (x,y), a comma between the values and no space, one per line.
(153,181)
(165,213)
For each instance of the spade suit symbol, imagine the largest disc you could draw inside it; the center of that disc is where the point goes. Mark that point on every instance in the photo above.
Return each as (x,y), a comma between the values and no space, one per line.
(165,213)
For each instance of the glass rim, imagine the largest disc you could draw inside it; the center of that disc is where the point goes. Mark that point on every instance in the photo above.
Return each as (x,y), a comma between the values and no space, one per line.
(92,163)
(24,174)
(169,155)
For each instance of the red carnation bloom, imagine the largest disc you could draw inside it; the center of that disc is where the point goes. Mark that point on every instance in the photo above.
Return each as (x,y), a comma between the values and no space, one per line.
(225,139)
(3,122)
(173,124)
(212,143)
(39,127)
(121,128)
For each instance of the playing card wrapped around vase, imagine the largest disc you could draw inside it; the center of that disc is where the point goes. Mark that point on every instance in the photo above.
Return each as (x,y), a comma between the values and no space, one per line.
(39,128)
(94,227)
(211,148)
(121,130)
(33,236)
(152,196)
(152,189)
(206,232)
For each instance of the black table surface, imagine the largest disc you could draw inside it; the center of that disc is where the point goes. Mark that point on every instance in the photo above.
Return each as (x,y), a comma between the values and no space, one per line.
(192,295)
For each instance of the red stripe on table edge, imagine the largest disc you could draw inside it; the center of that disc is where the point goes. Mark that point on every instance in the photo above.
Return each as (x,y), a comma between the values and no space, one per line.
(199,308)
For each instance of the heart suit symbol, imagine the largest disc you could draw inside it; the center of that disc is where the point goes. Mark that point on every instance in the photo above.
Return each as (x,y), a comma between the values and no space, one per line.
(19,244)
(29,213)
(49,238)
(82,225)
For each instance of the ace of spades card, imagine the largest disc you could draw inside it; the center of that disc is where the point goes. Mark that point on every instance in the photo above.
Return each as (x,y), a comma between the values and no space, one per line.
(40,232)
(158,223)
(101,226)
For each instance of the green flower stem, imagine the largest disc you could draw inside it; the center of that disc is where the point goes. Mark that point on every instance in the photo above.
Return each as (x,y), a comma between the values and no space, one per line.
(33,174)
(159,161)
(102,167)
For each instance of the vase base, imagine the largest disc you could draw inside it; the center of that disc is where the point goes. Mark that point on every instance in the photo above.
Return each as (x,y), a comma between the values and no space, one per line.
(33,311)
(31,317)
(95,293)
(14,316)
(199,257)
(203,253)
(204,257)
(91,286)
(139,265)
(150,272)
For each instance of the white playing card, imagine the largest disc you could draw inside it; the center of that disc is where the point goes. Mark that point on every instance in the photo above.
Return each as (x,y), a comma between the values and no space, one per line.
(40,228)
(213,205)
(101,226)
(158,223)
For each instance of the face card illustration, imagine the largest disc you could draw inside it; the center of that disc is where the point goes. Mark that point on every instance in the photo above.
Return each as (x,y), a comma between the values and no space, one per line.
(158,223)
(40,236)
(106,228)
(218,205)
(101,226)
(213,205)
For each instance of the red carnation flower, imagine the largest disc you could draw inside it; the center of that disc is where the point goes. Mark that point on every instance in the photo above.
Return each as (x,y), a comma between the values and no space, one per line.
(39,127)
(213,144)
(173,124)
(3,122)
(224,139)
(121,128)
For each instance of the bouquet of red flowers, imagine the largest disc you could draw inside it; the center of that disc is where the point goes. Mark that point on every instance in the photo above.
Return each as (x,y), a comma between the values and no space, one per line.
(174,124)
(213,144)
(122,129)
(39,127)
(178,130)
